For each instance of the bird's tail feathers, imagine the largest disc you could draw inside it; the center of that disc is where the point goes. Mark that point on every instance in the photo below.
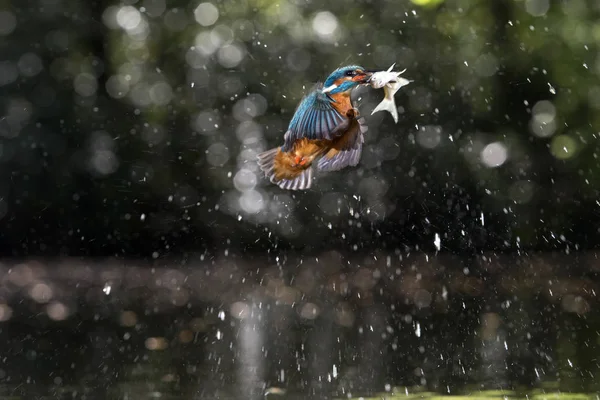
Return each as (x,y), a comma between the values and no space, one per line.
(389,106)
(301,182)
(272,163)
(266,161)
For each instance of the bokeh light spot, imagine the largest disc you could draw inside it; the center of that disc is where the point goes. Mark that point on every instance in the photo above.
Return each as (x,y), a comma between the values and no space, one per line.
(244,180)
(128,18)
(248,132)
(325,24)
(41,293)
(310,311)
(128,318)
(494,154)
(543,119)
(8,72)
(57,311)
(30,64)
(85,84)
(117,86)
(140,95)
(239,310)
(195,58)
(486,65)
(429,136)
(206,14)
(427,3)
(8,22)
(537,8)
(521,191)
(563,147)
(298,59)
(217,154)
(206,122)
(5,312)
(104,162)
(161,93)
(251,201)
(231,55)
(156,343)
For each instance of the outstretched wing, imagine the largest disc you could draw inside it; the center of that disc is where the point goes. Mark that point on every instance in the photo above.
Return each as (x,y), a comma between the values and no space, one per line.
(315,118)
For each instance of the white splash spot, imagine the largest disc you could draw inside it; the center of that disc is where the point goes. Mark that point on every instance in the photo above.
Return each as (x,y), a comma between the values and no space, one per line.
(437,242)
(107,288)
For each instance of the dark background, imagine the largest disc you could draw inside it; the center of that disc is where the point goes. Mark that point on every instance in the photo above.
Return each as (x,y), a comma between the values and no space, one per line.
(102,125)
(143,252)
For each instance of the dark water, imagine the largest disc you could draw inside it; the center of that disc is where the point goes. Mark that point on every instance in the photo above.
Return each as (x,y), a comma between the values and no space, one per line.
(319,327)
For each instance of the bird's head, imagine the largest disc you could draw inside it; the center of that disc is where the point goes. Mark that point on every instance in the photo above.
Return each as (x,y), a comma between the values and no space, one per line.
(345,79)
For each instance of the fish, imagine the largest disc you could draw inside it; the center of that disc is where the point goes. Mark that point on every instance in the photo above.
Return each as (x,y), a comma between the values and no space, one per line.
(391,82)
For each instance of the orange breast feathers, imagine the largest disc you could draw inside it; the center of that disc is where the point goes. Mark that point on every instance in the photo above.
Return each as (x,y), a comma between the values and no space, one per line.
(342,101)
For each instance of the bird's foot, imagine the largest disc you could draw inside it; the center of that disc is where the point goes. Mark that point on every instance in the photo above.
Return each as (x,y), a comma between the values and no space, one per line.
(300,161)
(352,113)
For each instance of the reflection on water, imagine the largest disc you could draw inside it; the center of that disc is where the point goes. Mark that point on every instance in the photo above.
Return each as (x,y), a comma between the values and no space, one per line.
(251,351)
(384,325)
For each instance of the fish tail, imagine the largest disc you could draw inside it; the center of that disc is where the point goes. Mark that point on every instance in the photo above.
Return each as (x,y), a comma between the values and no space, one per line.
(389,106)
(276,169)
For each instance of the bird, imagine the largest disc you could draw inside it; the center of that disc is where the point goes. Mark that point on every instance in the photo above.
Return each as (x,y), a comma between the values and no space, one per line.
(325,129)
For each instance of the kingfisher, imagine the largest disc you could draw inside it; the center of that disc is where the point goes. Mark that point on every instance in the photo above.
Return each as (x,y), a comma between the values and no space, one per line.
(325,129)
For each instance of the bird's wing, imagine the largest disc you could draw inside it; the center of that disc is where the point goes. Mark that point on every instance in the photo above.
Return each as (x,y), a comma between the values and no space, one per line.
(347,149)
(315,118)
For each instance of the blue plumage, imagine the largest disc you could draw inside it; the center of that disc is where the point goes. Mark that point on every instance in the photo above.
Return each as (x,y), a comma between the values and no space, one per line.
(322,129)
(315,118)
(340,73)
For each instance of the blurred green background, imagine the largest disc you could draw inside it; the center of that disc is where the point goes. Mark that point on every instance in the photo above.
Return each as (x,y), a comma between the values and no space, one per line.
(132,127)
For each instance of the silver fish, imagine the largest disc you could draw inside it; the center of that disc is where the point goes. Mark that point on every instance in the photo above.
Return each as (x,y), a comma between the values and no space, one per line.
(391,83)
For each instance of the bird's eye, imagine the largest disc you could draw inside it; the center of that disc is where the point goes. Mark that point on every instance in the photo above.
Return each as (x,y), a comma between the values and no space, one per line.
(350,73)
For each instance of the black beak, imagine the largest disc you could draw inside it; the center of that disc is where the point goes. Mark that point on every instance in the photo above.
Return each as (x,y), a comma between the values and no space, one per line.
(368,74)
(363,78)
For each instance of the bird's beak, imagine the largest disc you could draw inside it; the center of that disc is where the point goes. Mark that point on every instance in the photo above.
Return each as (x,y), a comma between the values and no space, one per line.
(364,77)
